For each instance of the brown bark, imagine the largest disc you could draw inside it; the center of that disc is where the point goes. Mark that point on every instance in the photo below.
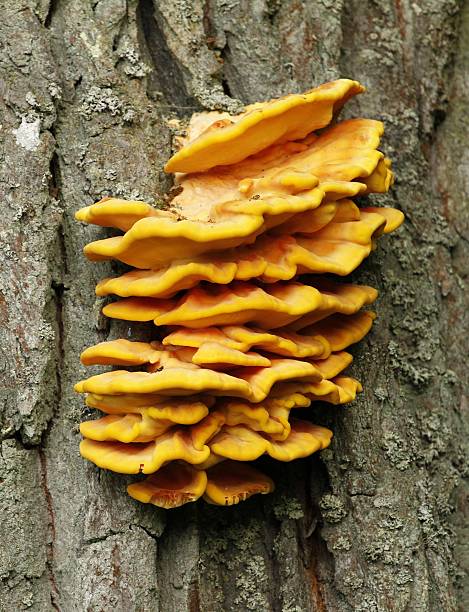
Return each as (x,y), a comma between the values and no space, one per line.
(375,523)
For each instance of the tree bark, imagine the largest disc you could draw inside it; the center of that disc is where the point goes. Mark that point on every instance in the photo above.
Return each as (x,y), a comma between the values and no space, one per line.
(376,523)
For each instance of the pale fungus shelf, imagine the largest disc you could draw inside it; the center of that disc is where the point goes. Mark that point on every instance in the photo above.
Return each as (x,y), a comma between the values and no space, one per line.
(246,343)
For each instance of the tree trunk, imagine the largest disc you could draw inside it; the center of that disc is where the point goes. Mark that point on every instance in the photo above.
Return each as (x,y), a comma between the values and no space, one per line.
(376,522)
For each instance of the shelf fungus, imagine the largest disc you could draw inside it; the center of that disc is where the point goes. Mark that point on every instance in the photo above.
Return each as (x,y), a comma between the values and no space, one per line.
(249,333)
(338,246)
(227,140)
(268,307)
(252,383)
(232,205)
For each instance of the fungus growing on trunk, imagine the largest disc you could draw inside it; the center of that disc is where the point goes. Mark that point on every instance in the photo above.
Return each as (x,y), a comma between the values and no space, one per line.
(233,139)
(338,248)
(252,383)
(174,485)
(246,343)
(230,482)
(232,205)
(274,305)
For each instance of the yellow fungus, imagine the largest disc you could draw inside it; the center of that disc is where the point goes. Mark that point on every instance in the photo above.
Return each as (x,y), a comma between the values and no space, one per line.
(338,248)
(276,305)
(334,333)
(231,206)
(174,485)
(263,124)
(264,197)
(240,443)
(231,482)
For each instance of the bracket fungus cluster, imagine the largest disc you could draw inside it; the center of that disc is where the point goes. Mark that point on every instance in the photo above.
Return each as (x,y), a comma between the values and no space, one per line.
(243,341)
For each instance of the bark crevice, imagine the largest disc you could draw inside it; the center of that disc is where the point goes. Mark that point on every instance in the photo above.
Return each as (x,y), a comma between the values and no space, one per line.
(54,592)
(166,82)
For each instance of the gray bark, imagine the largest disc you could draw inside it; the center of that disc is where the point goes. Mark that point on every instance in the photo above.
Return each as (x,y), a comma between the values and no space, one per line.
(374,524)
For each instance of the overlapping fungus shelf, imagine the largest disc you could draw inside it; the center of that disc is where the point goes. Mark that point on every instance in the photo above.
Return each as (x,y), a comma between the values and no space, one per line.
(246,343)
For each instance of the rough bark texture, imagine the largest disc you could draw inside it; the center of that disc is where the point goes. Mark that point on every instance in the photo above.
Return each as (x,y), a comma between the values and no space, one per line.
(376,523)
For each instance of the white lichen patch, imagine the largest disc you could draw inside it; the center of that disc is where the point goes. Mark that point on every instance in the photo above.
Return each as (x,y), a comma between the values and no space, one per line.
(104,100)
(100,100)
(55,90)
(27,134)
(133,64)
(31,99)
